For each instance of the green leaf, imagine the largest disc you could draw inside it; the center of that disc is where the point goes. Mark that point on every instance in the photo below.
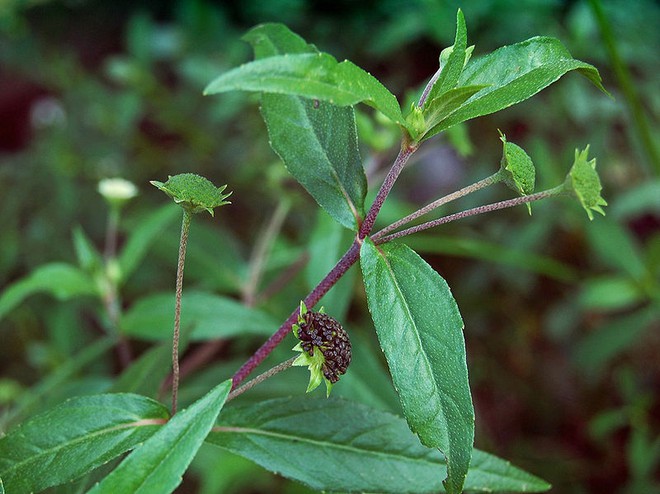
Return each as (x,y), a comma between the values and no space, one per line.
(62,281)
(439,108)
(518,169)
(316,141)
(211,316)
(158,465)
(515,73)
(420,331)
(311,75)
(88,256)
(584,183)
(455,61)
(340,446)
(74,438)
(143,235)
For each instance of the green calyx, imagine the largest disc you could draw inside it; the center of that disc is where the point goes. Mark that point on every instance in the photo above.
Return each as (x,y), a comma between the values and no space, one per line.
(193,193)
(518,169)
(583,182)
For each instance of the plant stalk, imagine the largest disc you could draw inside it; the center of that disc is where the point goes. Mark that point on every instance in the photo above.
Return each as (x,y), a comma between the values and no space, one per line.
(472,212)
(493,179)
(261,377)
(185,229)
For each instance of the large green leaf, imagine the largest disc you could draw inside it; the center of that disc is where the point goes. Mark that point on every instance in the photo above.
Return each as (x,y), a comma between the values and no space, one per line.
(158,465)
(310,75)
(62,281)
(340,446)
(455,61)
(513,74)
(316,140)
(420,331)
(211,317)
(74,438)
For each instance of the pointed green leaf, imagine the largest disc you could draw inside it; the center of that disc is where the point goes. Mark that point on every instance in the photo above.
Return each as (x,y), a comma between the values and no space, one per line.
(89,258)
(515,73)
(518,168)
(143,235)
(77,436)
(311,75)
(211,317)
(421,333)
(441,107)
(316,141)
(318,144)
(584,183)
(455,62)
(62,281)
(157,466)
(340,446)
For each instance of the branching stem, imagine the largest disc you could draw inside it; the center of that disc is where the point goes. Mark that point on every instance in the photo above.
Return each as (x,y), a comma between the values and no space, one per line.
(261,377)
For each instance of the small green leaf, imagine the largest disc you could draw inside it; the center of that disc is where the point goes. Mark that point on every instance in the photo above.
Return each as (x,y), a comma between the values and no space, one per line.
(60,280)
(77,436)
(333,445)
(311,75)
(584,183)
(518,169)
(89,258)
(193,192)
(211,317)
(2,487)
(515,73)
(455,61)
(157,466)
(270,39)
(142,236)
(421,333)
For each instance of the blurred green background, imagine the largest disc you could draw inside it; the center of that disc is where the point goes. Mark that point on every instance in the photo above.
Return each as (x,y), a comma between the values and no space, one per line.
(561,314)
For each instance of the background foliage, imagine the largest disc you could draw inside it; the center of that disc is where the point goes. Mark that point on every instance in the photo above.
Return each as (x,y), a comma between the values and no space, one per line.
(561,314)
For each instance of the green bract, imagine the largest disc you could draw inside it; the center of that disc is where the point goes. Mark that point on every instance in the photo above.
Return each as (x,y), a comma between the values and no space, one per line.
(518,168)
(193,192)
(583,181)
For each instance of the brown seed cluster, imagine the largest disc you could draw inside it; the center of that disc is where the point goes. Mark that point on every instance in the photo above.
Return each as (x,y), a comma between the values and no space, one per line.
(321,331)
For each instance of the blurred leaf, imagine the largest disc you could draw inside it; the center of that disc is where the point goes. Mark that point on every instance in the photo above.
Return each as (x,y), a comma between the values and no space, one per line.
(143,235)
(158,465)
(610,293)
(327,243)
(88,256)
(62,281)
(74,438)
(615,247)
(605,343)
(210,316)
(338,446)
(314,76)
(642,199)
(421,333)
(492,252)
(52,383)
(145,374)
(515,73)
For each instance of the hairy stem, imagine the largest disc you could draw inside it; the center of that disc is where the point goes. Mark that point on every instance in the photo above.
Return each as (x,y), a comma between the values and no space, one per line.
(261,377)
(494,178)
(185,229)
(472,212)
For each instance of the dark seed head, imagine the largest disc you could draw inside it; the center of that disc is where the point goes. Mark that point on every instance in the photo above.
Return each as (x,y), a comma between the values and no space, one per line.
(322,332)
